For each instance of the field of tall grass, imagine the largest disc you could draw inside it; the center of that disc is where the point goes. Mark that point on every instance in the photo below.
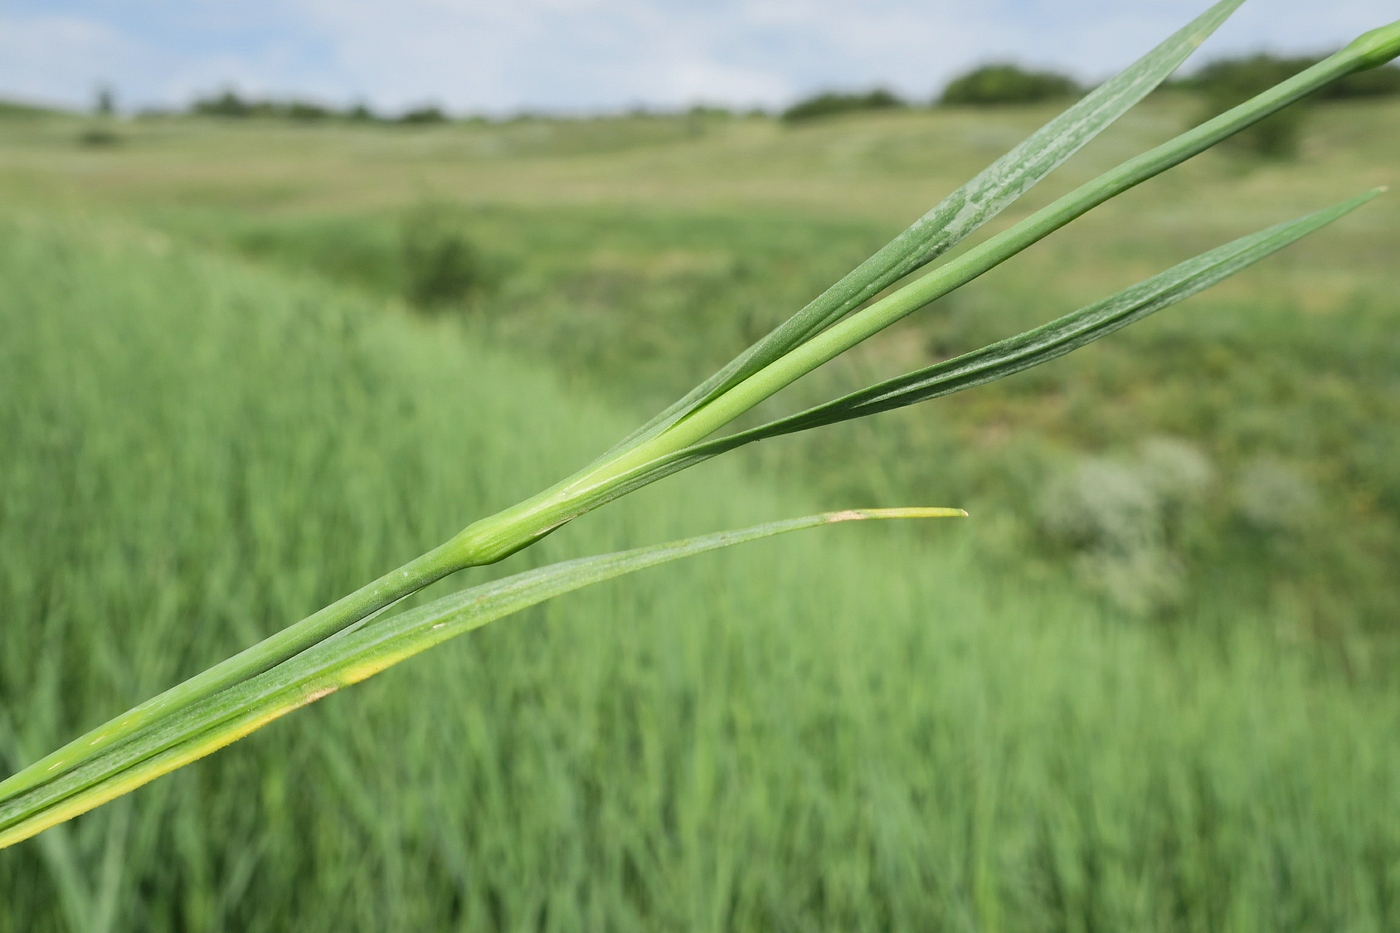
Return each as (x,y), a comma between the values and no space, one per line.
(222,404)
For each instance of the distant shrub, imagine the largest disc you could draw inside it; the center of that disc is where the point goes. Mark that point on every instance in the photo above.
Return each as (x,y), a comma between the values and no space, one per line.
(301,110)
(1225,77)
(105,104)
(1227,82)
(1123,521)
(97,137)
(227,104)
(1271,496)
(832,103)
(710,110)
(423,115)
(1378,82)
(441,266)
(1007,84)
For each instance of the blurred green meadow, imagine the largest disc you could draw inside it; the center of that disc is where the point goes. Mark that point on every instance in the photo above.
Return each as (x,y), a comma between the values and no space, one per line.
(247,365)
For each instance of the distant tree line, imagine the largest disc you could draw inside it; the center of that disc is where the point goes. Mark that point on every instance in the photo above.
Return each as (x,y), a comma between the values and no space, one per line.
(988,85)
(1222,84)
(230,104)
(830,103)
(1248,76)
(1006,83)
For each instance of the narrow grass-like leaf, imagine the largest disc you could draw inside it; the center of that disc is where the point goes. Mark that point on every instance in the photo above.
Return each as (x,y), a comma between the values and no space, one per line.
(1065,334)
(959,214)
(208,725)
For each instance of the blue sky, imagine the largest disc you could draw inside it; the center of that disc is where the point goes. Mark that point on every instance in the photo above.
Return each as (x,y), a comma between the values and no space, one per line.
(579,55)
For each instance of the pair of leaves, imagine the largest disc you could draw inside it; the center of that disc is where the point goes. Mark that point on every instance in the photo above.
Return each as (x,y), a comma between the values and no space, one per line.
(202,727)
(1065,334)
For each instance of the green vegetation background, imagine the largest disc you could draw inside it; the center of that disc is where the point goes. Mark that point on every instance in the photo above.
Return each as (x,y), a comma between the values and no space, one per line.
(247,366)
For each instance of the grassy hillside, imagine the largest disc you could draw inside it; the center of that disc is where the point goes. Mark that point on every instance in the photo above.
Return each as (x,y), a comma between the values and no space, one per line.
(846,731)
(219,409)
(10,110)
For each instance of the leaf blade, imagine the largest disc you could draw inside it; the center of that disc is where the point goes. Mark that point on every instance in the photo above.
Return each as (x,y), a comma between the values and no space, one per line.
(1065,334)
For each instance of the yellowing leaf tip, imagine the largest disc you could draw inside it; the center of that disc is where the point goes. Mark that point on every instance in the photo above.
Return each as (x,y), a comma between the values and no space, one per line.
(856,515)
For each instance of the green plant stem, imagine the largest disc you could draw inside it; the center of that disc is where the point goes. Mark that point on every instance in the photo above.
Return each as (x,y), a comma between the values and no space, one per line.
(501,534)
(1377,47)
(260,657)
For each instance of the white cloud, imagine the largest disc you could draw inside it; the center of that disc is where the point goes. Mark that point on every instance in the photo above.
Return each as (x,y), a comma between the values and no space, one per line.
(58,58)
(582,54)
(590,53)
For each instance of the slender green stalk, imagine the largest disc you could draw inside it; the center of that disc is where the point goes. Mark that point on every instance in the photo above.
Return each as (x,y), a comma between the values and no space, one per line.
(208,725)
(346,611)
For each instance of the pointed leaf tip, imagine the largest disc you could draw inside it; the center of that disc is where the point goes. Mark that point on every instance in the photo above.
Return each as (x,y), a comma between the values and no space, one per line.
(857,515)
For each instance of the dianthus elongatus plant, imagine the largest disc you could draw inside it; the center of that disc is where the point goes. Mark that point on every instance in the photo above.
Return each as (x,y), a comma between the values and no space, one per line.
(353,638)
